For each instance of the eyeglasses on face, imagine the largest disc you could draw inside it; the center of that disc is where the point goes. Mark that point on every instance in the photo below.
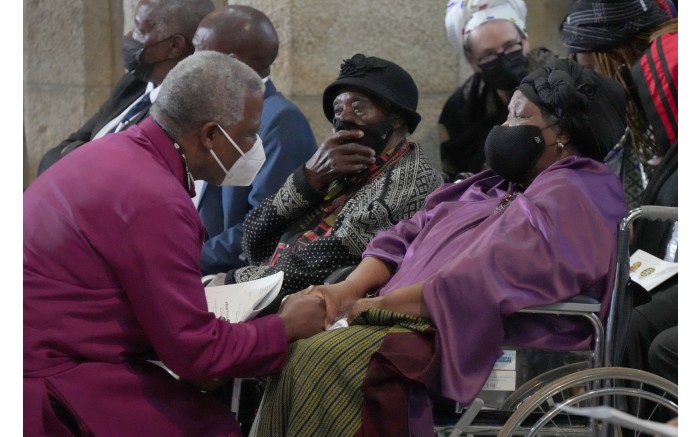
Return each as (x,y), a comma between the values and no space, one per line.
(508,49)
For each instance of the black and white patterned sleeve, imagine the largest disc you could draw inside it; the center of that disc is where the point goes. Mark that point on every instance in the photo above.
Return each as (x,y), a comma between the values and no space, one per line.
(265,225)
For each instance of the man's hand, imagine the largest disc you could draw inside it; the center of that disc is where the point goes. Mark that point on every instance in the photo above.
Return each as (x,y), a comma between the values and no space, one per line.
(336,157)
(303,316)
(338,299)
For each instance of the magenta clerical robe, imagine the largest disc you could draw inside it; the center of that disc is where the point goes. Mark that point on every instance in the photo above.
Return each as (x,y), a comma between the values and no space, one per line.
(480,265)
(111,279)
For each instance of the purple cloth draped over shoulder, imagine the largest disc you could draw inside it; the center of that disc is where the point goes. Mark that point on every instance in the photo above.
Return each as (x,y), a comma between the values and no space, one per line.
(555,240)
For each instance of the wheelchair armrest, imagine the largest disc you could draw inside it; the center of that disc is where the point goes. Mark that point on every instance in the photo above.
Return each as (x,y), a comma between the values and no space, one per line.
(339,275)
(576,305)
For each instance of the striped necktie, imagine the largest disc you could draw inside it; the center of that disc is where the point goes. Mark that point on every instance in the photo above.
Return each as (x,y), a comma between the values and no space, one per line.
(141,105)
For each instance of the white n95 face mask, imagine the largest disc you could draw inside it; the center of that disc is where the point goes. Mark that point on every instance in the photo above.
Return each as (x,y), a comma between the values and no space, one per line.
(244,170)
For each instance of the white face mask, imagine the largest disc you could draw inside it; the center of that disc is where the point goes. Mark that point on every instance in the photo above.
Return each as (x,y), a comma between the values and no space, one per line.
(244,170)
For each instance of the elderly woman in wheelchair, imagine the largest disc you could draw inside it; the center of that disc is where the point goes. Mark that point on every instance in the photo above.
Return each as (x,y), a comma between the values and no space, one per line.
(436,296)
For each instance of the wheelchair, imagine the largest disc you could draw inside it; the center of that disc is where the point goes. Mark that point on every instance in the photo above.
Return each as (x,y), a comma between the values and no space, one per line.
(536,406)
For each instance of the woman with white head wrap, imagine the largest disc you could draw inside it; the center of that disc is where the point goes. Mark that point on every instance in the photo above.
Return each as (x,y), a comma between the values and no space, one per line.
(491,36)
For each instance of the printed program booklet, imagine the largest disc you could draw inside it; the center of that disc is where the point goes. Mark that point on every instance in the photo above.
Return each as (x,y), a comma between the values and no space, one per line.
(239,302)
(650,271)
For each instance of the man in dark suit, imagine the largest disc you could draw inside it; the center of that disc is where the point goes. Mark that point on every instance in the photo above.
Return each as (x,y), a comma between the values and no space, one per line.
(248,35)
(160,38)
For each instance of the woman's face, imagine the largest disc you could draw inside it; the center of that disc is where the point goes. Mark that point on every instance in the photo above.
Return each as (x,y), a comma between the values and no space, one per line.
(522,111)
(350,105)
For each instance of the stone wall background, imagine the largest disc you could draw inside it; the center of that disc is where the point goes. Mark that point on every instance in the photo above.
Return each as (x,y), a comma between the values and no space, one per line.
(72,56)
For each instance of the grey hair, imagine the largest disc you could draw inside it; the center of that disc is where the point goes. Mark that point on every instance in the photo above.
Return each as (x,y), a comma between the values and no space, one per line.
(206,86)
(179,16)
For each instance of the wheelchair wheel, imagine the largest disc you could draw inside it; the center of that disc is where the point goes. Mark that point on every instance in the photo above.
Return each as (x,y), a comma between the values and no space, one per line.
(641,394)
(526,390)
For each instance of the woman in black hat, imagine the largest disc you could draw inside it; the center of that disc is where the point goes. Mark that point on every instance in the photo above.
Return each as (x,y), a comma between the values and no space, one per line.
(364,178)
(537,228)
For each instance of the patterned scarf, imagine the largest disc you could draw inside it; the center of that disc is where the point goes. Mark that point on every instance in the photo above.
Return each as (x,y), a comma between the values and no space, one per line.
(337,194)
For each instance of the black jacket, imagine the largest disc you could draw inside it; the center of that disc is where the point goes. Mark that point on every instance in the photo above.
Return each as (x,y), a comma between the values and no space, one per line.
(124,94)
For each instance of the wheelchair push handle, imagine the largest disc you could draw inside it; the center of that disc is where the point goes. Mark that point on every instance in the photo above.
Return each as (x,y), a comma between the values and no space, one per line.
(660,213)
(649,212)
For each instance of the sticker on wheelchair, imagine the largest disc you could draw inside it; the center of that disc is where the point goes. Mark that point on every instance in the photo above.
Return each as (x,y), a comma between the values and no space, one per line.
(502,376)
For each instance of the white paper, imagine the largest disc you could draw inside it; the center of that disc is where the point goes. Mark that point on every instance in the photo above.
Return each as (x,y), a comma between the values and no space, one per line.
(650,271)
(241,302)
(617,417)
(340,323)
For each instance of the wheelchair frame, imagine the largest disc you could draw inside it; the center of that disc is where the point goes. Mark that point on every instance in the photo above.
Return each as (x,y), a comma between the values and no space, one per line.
(536,408)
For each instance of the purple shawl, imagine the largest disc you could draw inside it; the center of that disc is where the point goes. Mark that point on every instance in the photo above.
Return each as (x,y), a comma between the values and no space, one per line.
(555,240)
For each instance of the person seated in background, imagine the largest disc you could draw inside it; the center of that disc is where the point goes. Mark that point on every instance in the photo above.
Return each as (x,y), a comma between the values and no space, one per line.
(611,37)
(652,343)
(248,35)
(160,38)
(363,178)
(539,227)
(111,270)
(636,43)
(493,37)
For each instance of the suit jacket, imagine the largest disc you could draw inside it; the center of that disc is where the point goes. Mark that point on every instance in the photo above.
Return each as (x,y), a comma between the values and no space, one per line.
(288,142)
(124,94)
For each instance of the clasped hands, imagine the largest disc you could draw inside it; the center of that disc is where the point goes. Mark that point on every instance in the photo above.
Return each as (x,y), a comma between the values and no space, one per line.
(339,301)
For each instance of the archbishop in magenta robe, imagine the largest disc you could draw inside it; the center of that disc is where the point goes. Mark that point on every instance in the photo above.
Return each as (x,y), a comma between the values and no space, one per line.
(112,243)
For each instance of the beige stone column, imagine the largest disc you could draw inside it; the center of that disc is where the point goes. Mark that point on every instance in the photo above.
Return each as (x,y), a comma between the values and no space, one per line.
(69,67)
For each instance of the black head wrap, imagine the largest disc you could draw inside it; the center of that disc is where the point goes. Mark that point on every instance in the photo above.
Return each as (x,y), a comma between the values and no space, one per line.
(590,107)
(594,26)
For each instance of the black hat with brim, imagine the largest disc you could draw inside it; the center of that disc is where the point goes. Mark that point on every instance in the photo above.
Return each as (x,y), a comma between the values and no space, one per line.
(380,79)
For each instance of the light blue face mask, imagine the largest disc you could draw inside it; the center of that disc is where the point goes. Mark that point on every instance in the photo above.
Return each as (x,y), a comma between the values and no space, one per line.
(244,170)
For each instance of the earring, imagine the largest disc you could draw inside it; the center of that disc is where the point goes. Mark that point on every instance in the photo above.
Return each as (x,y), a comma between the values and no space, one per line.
(560,145)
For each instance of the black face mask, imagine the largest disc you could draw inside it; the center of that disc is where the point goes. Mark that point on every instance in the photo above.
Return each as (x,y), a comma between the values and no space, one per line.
(506,72)
(131,57)
(512,151)
(376,135)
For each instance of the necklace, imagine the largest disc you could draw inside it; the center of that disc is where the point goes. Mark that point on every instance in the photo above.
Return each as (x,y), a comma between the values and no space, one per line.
(503,204)
(190,179)
(507,199)
(188,175)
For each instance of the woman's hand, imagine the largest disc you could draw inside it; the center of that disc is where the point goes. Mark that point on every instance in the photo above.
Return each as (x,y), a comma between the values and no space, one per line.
(336,157)
(365,304)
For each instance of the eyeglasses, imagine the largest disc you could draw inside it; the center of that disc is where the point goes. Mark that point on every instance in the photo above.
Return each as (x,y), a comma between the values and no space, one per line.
(508,49)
